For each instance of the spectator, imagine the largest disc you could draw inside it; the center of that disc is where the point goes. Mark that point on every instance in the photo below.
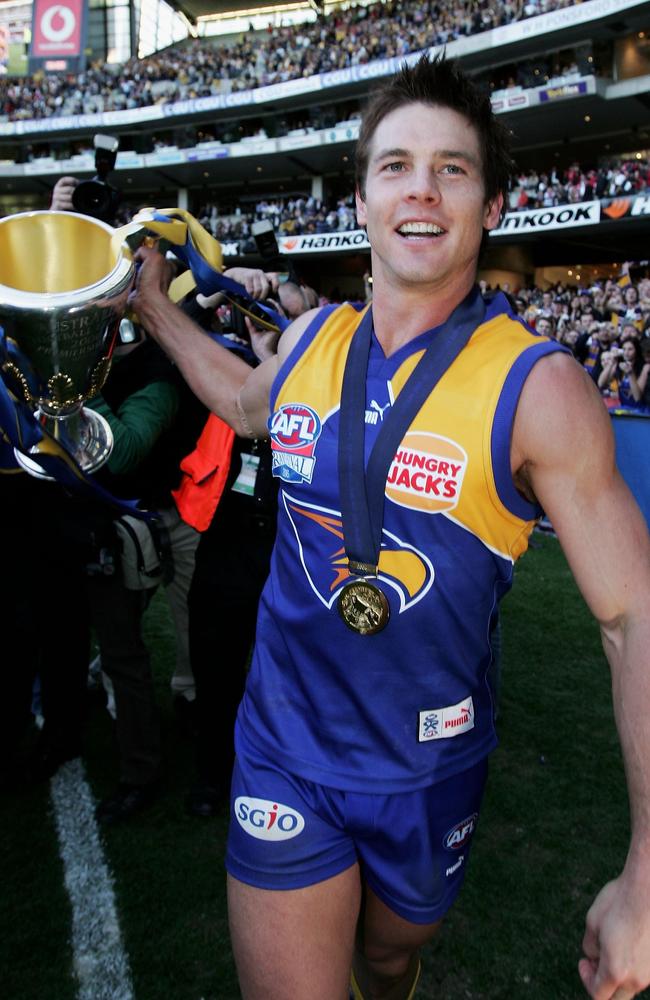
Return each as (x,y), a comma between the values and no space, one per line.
(624,374)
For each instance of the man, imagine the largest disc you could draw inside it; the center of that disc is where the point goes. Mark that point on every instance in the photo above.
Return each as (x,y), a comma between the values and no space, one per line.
(367,718)
(596,341)
(545,326)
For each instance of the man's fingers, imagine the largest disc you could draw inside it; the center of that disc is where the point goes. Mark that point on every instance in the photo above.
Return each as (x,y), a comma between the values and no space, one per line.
(144,253)
(587,968)
(602,987)
(258,287)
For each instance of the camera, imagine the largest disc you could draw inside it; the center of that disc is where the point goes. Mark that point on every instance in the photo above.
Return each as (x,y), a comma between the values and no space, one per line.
(267,244)
(97,197)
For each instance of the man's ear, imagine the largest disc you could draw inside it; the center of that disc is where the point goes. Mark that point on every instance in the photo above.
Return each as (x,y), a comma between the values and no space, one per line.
(493,212)
(362,215)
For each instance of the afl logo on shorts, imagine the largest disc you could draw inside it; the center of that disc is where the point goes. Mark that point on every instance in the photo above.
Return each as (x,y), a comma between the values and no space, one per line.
(268,820)
(458,836)
(426,473)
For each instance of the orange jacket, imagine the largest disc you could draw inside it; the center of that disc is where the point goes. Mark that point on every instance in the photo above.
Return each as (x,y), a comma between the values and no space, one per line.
(205,471)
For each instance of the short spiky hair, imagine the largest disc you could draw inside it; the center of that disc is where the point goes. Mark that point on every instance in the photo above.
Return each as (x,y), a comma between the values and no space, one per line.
(439,81)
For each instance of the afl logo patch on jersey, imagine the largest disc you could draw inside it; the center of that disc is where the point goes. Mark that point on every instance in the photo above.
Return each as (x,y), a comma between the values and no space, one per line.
(426,473)
(294,429)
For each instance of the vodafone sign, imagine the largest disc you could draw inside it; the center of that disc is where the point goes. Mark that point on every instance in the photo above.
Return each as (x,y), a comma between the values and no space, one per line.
(56,28)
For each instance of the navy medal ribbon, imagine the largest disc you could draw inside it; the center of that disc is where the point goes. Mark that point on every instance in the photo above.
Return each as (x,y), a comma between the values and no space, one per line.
(362,490)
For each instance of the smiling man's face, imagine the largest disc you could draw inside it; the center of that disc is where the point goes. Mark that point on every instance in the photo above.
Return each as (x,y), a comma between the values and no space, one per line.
(424,201)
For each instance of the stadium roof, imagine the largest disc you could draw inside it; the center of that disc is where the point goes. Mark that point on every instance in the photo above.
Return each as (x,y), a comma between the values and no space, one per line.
(193,9)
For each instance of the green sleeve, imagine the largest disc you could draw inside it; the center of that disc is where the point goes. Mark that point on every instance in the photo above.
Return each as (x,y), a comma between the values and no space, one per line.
(138,423)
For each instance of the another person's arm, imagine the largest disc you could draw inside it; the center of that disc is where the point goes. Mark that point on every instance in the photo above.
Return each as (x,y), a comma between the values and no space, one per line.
(138,423)
(609,362)
(642,380)
(635,385)
(563,450)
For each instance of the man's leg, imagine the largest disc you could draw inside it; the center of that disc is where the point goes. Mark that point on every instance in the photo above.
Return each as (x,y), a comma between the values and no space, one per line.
(295,944)
(184,541)
(416,861)
(386,960)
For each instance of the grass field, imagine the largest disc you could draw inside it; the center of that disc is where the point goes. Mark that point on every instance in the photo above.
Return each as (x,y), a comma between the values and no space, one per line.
(553,829)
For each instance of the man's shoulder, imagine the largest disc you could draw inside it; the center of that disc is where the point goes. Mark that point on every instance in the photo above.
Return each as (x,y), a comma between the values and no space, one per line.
(311,322)
(560,411)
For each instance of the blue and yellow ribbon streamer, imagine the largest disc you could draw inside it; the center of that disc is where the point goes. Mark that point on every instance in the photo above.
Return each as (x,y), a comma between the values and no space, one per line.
(196,248)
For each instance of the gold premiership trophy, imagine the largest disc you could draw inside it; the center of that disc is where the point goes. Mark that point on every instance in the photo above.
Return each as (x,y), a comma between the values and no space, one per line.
(64,285)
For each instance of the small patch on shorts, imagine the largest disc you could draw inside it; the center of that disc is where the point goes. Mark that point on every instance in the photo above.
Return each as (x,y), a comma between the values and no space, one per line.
(268,820)
(442,723)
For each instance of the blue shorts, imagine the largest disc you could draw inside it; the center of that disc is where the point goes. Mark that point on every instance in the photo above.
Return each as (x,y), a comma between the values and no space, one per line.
(412,847)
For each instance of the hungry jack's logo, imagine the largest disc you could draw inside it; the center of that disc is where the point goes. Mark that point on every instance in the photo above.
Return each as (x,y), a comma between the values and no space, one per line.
(426,473)
(320,538)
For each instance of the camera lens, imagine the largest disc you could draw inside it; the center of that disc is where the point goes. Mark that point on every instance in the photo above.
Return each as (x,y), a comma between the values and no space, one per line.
(93,198)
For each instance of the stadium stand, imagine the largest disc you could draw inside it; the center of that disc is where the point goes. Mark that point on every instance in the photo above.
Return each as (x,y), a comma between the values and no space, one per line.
(270,118)
(347,38)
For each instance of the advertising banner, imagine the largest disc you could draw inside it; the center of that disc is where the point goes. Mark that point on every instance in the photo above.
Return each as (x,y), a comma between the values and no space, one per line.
(57,35)
(4,45)
(538,220)
(632,435)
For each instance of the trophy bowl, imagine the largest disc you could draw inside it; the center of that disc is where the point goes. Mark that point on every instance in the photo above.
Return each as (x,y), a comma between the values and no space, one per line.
(64,285)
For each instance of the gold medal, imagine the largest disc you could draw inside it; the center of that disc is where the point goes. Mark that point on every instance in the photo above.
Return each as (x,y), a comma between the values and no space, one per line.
(363,607)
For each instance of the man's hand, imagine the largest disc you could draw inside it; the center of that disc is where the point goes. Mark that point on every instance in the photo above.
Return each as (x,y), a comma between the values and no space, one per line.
(62,194)
(617,942)
(152,282)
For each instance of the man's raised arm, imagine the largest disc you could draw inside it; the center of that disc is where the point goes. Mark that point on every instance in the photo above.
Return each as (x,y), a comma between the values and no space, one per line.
(563,449)
(227,385)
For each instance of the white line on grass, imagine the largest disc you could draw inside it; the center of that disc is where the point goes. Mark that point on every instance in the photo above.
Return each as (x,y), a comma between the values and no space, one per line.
(100,962)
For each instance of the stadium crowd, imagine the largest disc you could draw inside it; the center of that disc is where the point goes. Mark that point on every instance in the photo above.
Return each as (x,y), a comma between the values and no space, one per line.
(304,214)
(342,39)
(607,329)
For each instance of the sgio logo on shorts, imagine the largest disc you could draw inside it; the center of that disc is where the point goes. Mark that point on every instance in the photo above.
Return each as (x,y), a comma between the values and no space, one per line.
(267,820)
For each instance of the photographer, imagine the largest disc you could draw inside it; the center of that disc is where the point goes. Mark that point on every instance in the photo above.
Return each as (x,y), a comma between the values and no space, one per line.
(624,374)
(154,419)
(95,197)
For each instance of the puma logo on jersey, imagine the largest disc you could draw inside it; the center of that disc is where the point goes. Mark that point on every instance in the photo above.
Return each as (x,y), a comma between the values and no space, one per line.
(376,412)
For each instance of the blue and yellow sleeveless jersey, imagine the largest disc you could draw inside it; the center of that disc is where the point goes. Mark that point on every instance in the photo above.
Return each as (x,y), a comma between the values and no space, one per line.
(412,704)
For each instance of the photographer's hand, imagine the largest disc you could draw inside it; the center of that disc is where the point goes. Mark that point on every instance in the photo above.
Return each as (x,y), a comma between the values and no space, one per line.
(62,194)
(259,284)
(263,342)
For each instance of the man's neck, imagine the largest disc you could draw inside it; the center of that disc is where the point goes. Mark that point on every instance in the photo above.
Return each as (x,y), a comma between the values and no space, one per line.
(400,318)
